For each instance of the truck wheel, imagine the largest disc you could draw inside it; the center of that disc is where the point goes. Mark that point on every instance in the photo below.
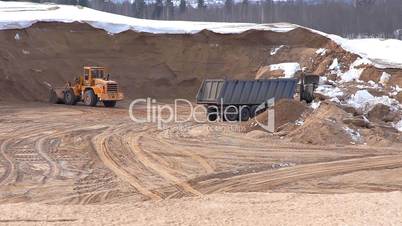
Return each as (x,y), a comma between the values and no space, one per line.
(53,98)
(308,97)
(212,113)
(109,103)
(90,99)
(69,97)
(230,114)
(253,111)
(308,93)
(244,113)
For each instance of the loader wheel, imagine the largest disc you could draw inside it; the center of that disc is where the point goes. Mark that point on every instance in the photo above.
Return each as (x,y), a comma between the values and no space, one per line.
(53,99)
(90,99)
(69,97)
(109,103)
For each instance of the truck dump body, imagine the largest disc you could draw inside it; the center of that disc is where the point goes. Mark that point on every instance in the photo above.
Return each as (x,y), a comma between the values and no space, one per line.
(245,92)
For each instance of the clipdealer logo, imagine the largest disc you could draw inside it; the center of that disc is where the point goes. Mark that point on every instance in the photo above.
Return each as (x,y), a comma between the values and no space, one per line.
(162,114)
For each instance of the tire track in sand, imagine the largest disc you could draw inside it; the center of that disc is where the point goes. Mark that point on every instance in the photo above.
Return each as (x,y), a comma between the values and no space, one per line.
(134,143)
(9,164)
(271,178)
(54,169)
(198,158)
(100,145)
(41,145)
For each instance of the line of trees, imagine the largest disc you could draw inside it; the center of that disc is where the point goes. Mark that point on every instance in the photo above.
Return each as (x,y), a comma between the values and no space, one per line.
(372,18)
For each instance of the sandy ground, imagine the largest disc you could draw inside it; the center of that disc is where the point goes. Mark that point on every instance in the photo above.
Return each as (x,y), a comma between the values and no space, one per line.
(79,165)
(221,209)
(187,173)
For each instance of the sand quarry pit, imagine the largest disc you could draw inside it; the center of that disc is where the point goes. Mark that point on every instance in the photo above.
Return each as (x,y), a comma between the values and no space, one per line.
(63,156)
(55,160)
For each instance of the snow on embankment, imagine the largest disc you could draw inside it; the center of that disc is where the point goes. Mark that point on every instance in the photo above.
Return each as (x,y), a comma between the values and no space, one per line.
(371,92)
(289,69)
(383,53)
(17,15)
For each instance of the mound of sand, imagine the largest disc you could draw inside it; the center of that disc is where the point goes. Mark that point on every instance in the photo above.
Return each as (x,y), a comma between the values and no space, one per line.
(156,65)
(381,112)
(286,111)
(382,136)
(330,124)
(324,126)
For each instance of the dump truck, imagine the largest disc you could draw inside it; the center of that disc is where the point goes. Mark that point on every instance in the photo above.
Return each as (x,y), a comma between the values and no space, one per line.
(92,87)
(240,100)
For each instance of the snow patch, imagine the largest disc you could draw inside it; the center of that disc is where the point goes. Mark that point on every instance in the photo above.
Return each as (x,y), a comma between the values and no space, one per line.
(335,65)
(396,90)
(384,53)
(363,100)
(289,69)
(384,79)
(322,80)
(398,126)
(299,122)
(335,99)
(355,70)
(371,84)
(275,50)
(17,37)
(355,135)
(321,51)
(352,75)
(314,105)
(329,91)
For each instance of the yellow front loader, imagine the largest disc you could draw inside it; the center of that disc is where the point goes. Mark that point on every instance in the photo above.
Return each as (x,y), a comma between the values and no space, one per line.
(92,87)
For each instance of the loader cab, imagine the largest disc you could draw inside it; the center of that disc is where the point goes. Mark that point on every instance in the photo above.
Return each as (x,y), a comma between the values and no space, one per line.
(98,73)
(91,73)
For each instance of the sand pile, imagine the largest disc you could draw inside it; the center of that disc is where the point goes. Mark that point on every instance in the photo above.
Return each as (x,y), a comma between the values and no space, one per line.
(163,65)
(330,124)
(382,113)
(325,126)
(326,57)
(286,112)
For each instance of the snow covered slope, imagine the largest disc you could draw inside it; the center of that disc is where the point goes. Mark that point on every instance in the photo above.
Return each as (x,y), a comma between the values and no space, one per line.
(18,15)
(383,53)
(14,15)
